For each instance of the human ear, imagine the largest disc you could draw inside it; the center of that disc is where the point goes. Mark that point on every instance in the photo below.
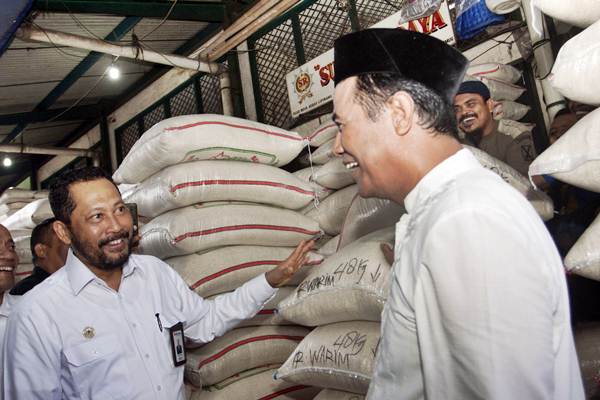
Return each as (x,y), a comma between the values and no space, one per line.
(40,250)
(402,109)
(62,232)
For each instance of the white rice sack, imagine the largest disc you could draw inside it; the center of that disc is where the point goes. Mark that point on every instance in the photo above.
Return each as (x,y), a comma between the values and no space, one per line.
(333,175)
(502,6)
(581,13)
(23,219)
(331,394)
(324,153)
(330,247)
(577,66)
(587,343)
(239,350)
(193,229)
(13,195)
(207,137)
(368,215)
(499,90)
(575,157)
(538,199)
(23,249)
(514,129)
(206,181)
(23,270)
(351,284)
(305,175)
(584,257)
(507,109)
(501,72)
(269,315)
(227,268)
(323,133)
(331,212)
(257,384)
(42,212)
(338,356)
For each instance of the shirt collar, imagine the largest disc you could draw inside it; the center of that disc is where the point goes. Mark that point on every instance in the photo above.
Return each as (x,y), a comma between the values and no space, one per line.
(80,275)
(463,160)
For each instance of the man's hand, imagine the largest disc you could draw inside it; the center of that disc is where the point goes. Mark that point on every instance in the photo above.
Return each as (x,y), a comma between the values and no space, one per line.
(388,252)
(281,274)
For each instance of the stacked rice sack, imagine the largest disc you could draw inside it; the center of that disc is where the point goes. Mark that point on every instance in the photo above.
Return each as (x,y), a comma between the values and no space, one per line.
(502,81)
(575,157)
(27,208)
(343,299)
(220,212)
(332,182)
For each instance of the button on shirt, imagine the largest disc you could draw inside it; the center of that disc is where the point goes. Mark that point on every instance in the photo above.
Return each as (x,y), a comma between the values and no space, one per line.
(73,337)
(478,305)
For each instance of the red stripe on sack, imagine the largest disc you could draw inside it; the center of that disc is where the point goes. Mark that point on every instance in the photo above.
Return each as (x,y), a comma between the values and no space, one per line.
(182,127)
(283,391)
(314,135)
(244,342)
(487,72)
(240,182)
(23,273)
(232,269)
(267,312)
(242,227)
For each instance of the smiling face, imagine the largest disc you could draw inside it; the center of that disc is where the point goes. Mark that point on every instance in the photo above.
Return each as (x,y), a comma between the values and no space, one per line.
(8,260)
(364,144)
(100,227)
(473,113)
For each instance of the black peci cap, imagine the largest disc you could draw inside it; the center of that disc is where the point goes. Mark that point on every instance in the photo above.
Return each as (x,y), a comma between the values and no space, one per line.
(414,55)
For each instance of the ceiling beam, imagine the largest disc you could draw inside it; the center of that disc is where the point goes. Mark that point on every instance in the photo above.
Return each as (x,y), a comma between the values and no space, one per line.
(88,62)
(183,10)
(56,114)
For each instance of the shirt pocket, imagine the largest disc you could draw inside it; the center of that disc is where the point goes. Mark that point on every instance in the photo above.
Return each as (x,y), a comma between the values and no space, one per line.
(99,369)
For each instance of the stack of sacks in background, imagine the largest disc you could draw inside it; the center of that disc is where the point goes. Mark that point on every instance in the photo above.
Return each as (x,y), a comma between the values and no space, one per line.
(343,298)
(332,182)
(33,208)
(502,81)
(575,157)
(220,212)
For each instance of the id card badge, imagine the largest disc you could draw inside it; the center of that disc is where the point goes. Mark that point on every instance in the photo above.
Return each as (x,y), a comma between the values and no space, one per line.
(177,344)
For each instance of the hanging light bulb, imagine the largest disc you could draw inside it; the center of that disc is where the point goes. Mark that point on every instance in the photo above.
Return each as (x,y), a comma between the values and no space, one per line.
(114,73)
(7,162)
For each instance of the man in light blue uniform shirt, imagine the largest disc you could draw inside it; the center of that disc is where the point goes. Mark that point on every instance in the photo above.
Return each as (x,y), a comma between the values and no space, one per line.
(108,325)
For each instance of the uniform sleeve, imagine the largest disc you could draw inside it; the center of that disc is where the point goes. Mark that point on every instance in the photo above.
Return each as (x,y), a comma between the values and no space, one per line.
(208,319)
(521,152)
(31,365)
(484,311)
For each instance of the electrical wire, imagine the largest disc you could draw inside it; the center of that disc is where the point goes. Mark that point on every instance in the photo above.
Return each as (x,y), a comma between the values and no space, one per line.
(163,20)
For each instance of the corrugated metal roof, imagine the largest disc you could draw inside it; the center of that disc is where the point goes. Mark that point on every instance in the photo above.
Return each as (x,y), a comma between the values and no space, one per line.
(29,71)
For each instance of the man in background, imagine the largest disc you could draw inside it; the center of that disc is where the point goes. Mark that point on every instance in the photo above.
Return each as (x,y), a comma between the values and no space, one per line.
(473,108)
(49,255)
(8,261)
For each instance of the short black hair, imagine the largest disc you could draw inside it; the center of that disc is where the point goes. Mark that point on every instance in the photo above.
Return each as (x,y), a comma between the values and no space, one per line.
(374,89)
(60,198)
(41,234)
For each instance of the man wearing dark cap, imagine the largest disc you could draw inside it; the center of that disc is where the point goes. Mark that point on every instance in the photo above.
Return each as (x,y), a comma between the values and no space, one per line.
(473,108)
(478,305)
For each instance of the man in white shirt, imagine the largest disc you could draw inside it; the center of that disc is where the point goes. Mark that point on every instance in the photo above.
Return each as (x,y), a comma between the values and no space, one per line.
(8,261)
(110,324)
(478,305)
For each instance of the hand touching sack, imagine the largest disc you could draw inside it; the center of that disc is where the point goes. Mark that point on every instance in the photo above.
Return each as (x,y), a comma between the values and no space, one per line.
(281,274)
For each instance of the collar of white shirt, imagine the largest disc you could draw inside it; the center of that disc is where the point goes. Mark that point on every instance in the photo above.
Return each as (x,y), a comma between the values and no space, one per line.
(462,161)
(80,275)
